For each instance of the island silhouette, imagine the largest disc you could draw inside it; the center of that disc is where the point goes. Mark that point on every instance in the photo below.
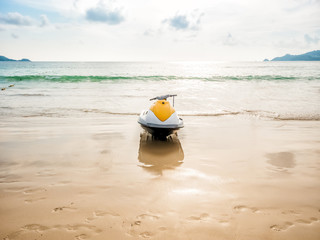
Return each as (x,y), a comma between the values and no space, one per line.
(5,59)
(309,56)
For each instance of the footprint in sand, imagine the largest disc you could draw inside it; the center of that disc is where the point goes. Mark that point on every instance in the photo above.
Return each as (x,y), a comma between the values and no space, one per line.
(162,228)
(137,223)
(35,227)
(147,216)
(307,221)
(34,191)
(243,208)
(80,227)
(69,208)
(98,213)
(146,234)
(58,209)
(303,221)
(281,227)
(104,152)
(81,237)
(134,226)
(290,212)
(41,229)
(203,216)
(32,200)
(103,213)
(224,222)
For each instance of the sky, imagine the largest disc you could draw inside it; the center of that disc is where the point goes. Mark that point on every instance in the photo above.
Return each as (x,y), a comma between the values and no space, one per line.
(157,30)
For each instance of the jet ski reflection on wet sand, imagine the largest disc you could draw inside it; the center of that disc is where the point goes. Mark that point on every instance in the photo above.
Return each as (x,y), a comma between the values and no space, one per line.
(161,119)
(157,156)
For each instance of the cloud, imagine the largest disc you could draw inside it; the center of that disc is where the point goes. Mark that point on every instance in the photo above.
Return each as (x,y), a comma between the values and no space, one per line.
(105,15)
(179,22)
(15,36)
(185,22)
(296,6)
(152,32)
(44,21)
(311,40)
(229,40)
(148,32)
(15,18)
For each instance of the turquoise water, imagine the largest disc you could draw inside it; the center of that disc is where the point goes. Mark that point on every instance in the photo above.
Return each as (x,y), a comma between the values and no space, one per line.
(268,90)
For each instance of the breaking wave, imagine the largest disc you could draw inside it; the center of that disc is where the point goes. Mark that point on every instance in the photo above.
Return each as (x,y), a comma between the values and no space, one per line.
(77,78)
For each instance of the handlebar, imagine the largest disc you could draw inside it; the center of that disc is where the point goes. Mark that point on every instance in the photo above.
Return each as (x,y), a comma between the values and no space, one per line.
(164,97)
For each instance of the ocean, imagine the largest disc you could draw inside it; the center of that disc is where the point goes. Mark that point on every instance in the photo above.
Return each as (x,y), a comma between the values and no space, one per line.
(267,90)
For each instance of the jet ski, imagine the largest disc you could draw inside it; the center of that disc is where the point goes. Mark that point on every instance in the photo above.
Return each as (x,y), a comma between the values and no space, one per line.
(160,119)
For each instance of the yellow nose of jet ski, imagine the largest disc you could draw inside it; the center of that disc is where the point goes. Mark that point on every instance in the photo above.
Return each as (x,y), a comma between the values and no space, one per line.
(162,109)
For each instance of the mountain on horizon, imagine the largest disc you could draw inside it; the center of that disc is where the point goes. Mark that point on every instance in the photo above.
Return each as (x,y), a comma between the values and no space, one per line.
(5,59)
(309,56)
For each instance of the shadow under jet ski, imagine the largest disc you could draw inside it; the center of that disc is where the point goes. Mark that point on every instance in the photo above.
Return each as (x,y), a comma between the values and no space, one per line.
(158,155)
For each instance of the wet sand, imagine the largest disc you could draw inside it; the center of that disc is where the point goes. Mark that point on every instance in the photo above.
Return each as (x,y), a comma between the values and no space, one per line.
(101,177)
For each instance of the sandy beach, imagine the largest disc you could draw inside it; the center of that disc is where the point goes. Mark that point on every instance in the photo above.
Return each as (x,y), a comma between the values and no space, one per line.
(101,177)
